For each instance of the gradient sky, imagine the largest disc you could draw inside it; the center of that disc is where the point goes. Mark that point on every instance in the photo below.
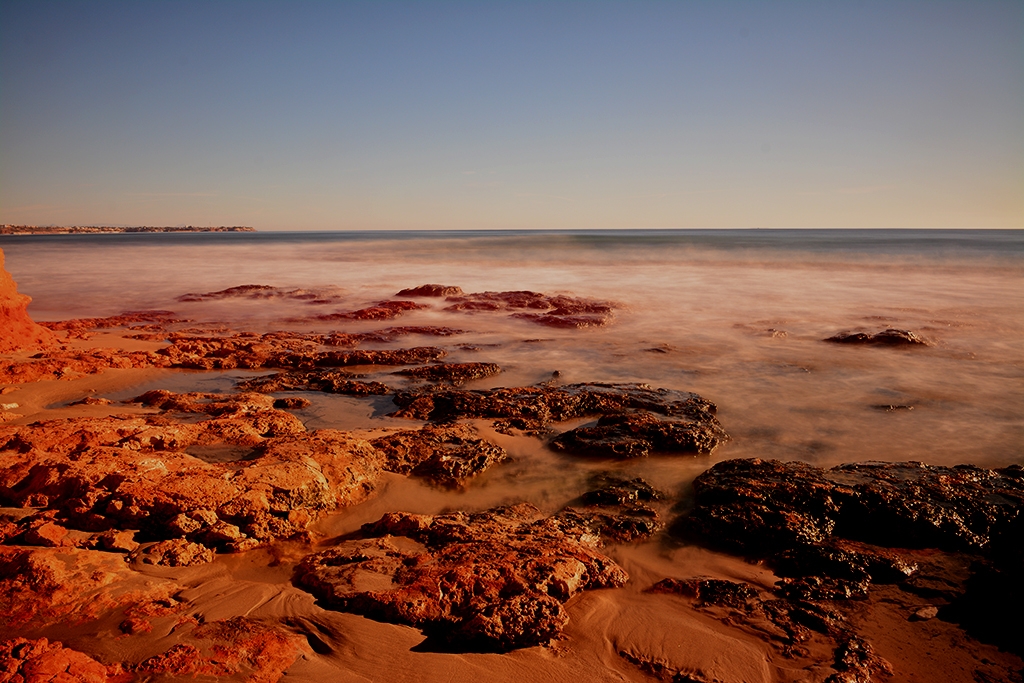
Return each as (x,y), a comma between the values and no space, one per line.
(451,115)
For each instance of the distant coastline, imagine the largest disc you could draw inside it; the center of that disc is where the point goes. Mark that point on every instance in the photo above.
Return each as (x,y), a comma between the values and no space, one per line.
(93,229)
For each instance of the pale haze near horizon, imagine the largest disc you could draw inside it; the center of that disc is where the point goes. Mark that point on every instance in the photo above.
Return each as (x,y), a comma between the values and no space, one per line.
(559,115)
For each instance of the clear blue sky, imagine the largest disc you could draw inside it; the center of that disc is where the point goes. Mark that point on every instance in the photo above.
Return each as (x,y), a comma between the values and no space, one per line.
(446,115)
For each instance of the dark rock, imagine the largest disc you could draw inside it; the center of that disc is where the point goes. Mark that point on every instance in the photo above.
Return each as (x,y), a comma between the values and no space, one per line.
(615,491)
(291,403)
(536,407)
(635,435)
(328,381)
(452,373)
(489,581)
(446,454)
(888,337)
(802,519)
(707,591)
(765,506)
(431,290)
(817,588)
(857,661)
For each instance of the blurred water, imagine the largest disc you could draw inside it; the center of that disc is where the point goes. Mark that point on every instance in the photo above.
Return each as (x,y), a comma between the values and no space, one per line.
(737,316)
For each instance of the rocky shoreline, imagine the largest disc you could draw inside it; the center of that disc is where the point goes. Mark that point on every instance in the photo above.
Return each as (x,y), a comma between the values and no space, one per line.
(110,515)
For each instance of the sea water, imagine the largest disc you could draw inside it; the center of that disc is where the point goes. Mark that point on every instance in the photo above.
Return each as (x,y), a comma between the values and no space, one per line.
(736,316)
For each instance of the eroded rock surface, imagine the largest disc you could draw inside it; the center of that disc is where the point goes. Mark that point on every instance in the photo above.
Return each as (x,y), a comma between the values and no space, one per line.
(445,454)
(40,661)
(488,581)
(241,474)
(832,534)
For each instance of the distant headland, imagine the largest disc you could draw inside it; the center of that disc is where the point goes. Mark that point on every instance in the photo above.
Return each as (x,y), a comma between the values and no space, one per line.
(7,229)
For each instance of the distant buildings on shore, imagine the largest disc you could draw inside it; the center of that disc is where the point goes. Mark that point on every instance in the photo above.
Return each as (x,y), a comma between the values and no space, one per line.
(81,229)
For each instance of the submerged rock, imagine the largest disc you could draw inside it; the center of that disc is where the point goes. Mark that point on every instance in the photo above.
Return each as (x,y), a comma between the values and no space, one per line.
(543,309)
(619,510)
(431,290)
(452,373)
(264,292)
(889,337)
(489,581)
(328,381)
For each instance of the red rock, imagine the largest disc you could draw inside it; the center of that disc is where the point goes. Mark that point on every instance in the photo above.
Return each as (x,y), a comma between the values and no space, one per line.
(176,553)
(19,330)
(41,661)
(118,541)
(242,648)
(125,473)
(49,535)
(489,581)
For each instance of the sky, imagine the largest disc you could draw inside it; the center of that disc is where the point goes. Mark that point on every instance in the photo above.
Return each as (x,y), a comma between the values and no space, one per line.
(338,115)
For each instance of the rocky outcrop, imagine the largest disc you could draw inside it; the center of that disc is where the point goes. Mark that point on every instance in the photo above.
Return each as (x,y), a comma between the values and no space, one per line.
(448,455)
(17,330)
(42,660)
(636,419)
(787,623)
(832,534)
(242,475)
(490,581)
(766,505)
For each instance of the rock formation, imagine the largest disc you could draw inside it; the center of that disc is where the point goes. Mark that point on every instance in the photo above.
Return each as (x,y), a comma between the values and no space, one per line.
(17,329)
(490,581)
